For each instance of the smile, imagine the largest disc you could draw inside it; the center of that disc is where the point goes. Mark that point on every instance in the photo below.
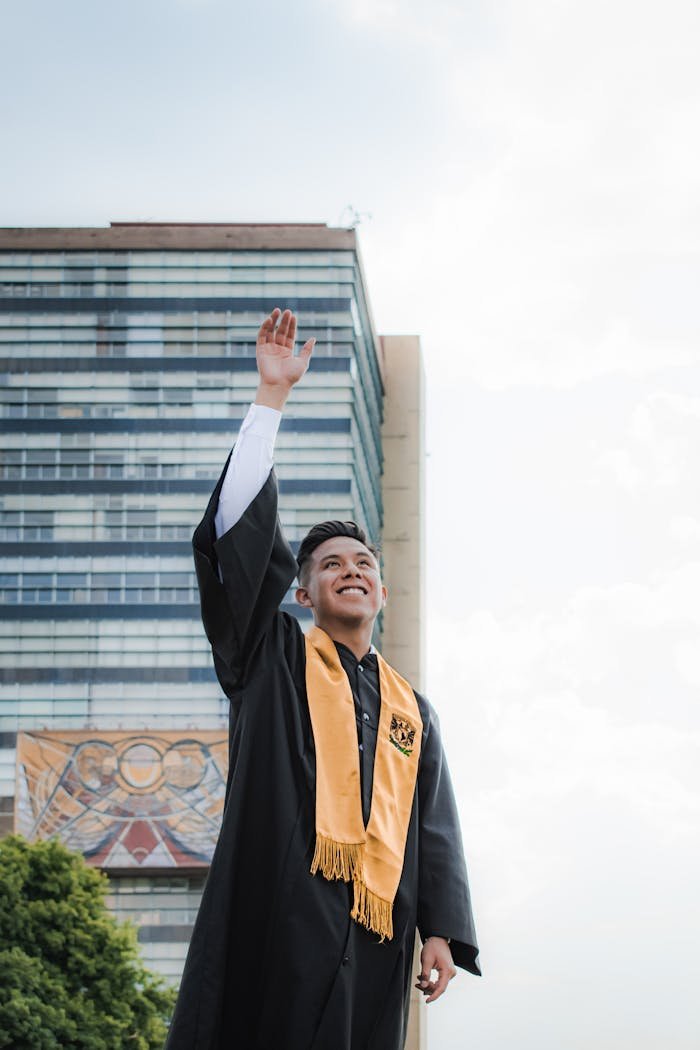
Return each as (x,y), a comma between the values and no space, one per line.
(352,590)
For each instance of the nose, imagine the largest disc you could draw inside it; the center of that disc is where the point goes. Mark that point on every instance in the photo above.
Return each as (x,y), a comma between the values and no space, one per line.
(351,570)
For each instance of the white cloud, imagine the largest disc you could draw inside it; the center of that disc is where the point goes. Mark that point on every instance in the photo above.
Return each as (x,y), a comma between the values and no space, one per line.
(598,698)
(557,237)
(684,528)
(687,660)
(609,649)
(574,741)
(662,447)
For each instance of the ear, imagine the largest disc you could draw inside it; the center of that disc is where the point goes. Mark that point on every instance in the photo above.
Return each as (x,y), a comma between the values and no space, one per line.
(303,598)
(385,595)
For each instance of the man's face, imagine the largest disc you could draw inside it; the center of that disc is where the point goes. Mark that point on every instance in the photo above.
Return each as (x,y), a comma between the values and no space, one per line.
(342,583)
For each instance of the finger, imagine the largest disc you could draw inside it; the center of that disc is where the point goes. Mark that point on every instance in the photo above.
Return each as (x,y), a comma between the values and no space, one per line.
(271,320)
(268,325)
(281,333)
(444,978)
(426,989)
(307,350)
(425,984)
(292,332)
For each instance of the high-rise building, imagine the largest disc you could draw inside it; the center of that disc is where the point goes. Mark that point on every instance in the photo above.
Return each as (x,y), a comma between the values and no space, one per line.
(128,361)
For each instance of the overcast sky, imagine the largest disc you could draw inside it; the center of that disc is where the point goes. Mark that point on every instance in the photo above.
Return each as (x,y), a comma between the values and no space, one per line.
(532,172)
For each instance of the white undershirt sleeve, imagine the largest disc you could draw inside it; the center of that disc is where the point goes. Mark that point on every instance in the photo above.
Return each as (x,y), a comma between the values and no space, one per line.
(251,462)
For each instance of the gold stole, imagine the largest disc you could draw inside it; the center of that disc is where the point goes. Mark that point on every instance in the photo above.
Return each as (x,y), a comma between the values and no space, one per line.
(373,859)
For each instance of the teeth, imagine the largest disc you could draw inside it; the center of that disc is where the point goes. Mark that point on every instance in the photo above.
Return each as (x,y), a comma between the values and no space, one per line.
(351,590)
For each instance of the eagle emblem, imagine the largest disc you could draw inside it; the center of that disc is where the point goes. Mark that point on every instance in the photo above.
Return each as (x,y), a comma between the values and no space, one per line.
(402,734)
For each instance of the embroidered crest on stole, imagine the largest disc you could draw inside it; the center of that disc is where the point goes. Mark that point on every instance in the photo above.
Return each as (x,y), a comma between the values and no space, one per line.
(402,734)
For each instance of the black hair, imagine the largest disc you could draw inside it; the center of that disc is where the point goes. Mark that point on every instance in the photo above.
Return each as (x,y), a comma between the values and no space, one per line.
(327,530)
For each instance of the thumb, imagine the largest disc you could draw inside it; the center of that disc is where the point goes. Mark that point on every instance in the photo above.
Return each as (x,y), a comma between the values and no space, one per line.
(307,350)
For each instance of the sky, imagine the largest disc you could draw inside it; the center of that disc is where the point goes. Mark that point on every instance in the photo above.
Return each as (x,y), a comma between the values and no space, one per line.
(528,179)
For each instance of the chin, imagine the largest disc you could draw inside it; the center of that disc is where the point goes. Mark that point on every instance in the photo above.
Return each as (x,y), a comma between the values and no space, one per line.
(355,617)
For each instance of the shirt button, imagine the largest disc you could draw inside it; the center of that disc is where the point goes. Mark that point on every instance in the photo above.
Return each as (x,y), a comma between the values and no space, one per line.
(362,747)
(366,717)
(360,667)
(346,960)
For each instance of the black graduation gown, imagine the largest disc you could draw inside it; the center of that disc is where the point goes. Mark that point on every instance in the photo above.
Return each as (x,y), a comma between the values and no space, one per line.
(275,962)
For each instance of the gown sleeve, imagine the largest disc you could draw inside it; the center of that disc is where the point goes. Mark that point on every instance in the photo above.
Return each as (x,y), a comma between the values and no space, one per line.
(444,902)
(257,567)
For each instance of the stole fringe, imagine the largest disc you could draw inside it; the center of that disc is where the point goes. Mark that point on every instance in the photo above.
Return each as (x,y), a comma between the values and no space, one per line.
(372,911)
(337,860)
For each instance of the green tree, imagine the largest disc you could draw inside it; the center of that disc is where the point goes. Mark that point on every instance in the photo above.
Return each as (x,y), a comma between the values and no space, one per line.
(71,977)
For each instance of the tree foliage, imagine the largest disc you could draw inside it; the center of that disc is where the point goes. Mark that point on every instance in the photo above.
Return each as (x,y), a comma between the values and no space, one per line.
(71,977)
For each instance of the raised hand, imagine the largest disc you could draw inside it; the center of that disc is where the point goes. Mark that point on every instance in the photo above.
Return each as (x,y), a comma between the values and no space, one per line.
(279,369)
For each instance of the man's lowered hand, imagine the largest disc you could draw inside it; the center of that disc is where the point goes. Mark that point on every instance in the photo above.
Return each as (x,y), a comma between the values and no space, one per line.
(436,955)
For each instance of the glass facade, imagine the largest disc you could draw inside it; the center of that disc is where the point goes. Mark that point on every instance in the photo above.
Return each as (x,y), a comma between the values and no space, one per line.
(125,375)
(164,911)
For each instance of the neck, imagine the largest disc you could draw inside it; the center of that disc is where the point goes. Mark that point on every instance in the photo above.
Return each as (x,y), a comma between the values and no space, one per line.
(357,638)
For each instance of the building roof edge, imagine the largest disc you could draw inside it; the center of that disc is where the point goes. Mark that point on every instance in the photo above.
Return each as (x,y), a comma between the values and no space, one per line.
(124,236)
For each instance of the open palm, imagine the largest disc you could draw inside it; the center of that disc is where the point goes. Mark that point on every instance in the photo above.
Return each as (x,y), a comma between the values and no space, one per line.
(274,351)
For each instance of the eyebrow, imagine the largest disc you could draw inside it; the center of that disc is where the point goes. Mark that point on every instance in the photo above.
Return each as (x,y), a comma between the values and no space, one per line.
(358,553)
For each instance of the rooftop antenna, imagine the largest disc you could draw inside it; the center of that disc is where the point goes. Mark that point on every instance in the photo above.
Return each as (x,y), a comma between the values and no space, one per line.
(350,217)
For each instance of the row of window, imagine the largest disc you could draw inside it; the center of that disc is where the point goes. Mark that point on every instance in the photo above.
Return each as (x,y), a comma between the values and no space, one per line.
(239,325)
(128,704)
(98,595)
(209,270)
(68,402)
(205,326)
(87,533)
(115,718)
(300,506)
(135,514)
(149,259)
(148,343)
(127,699)
(121,275)
(177,287)
(157,386)
(202,448)
(147,651)
(204,411)
(29,665)
(112,635)
(201,410)
(135,471)
(158,348)
(157,341)
(151,393)
(96,579)
(107,471)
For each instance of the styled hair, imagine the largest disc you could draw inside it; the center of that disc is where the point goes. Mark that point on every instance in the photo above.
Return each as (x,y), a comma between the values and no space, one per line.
(328,530)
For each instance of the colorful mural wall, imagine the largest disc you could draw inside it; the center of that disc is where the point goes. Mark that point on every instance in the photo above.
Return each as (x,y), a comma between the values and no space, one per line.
(124,799)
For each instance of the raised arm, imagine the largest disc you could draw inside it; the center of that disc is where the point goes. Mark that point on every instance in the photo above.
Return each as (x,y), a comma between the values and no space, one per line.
(251,459)
(244,565)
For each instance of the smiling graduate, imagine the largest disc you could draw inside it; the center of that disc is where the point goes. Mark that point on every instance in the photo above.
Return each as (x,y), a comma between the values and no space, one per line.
(340,836)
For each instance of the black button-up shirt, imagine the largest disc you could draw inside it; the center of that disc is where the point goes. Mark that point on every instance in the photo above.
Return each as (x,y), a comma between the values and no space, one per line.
(363,676)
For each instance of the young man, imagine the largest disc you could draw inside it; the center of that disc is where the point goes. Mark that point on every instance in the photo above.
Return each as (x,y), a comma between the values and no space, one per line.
(340,835)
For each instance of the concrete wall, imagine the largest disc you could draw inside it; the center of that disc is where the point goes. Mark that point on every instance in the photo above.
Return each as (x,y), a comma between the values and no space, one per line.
(179,236)
(403,542)
(403,486)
